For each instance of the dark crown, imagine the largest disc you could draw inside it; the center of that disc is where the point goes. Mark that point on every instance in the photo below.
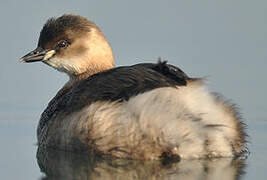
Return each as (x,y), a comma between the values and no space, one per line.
(57,27)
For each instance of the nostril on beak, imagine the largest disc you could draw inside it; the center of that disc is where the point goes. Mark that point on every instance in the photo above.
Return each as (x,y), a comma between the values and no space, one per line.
(37,51)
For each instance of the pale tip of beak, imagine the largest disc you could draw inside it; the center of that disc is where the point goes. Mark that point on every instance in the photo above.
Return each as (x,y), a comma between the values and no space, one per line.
(22,60)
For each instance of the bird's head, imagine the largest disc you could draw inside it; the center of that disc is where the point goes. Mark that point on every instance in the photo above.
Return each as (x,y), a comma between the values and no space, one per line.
(74,45)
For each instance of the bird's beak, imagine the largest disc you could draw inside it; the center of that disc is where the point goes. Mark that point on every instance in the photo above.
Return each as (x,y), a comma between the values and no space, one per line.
(39,54)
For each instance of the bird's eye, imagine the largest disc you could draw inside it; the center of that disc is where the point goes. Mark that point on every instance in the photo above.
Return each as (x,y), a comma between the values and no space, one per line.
(63,44)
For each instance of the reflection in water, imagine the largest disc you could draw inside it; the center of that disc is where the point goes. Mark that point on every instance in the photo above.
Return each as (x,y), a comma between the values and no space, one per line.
(66,165)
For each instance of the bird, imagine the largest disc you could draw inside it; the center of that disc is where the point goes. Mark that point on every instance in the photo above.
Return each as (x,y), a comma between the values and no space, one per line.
(146,111)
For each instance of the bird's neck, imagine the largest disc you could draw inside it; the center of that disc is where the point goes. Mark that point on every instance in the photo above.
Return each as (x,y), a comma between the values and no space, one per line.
(76,78)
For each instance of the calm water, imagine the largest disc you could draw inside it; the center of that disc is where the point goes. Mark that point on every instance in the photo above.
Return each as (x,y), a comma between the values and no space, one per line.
(222,39)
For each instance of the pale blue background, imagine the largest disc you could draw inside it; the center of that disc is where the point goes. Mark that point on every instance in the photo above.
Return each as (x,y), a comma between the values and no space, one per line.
(224,40)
